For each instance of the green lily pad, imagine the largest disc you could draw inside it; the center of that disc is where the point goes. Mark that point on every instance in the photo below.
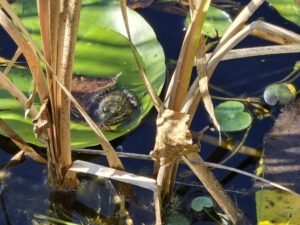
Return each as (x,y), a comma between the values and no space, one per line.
(232,117)
(216,22)
(102,50)
(177,219)
(279,93)
(201,202)
(289,9)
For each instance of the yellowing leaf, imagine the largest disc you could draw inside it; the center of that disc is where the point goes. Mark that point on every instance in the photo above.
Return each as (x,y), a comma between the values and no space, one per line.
(277,208)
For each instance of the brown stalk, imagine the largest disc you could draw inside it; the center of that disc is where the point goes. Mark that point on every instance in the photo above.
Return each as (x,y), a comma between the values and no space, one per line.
(180,81)
(253,152)
(66,73)
(193,95)
(12,61)
(215,189)
(234,40)
(258,51)
(201,171)
(239,22)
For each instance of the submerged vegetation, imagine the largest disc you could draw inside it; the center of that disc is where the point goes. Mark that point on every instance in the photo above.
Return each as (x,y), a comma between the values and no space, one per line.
(94,69)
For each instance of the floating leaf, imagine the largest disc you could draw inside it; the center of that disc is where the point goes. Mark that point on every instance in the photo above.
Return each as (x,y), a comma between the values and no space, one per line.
(177,219)
(289,9)
(232,117)
(279,93)
(274,207)
(216,22)
(199,203)
(102,50)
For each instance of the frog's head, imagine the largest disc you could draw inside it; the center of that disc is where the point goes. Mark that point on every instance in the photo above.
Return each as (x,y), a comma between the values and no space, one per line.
(114,108)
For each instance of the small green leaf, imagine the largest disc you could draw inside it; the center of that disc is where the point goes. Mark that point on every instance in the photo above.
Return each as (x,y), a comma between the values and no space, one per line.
(279,93)
(232,117)
(201,202)
(177,219)
(289,9)
(216,22)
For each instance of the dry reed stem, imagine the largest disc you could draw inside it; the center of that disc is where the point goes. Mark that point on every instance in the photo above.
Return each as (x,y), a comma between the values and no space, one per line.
(12,61)
(228,206)
(239,22)
(157,205)
(14,160)
(66,73)
(234,40)
(179,85)
(28,150)
(272,38)
(258,51)
(193,95)
(180,82)
(212,185)
(203,85)
(54,8)
(244,149)
(44,8)
(155,99)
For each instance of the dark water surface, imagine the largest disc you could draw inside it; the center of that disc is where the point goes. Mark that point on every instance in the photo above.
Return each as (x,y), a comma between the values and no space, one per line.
(25,193)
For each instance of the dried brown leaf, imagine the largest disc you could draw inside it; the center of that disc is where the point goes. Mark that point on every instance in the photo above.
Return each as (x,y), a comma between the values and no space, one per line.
(203,84)
(41,124)
(173,138)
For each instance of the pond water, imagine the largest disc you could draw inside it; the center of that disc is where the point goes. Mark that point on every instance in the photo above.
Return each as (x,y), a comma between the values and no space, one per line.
(24,193)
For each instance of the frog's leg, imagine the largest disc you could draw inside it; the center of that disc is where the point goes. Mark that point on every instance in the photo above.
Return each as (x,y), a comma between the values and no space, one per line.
(93,102)
(130,97)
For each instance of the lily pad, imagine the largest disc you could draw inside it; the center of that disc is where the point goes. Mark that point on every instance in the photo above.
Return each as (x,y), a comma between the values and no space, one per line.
(279,93)
(102,50)
(200,203)
(289,9)
(232,117)
(216,22)
(177,219)
(274,207)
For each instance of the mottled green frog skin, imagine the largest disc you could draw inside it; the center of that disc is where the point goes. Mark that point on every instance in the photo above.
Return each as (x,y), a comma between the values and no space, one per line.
(104,104)
(113,108)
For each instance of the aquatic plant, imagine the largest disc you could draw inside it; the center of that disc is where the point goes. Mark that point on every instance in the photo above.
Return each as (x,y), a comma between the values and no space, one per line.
(174,141)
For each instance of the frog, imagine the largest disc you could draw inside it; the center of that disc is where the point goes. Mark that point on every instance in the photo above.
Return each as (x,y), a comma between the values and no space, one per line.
(106,104)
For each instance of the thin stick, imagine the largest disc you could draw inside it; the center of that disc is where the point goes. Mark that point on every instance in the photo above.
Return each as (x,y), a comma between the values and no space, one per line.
(155,99)
(258,51)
